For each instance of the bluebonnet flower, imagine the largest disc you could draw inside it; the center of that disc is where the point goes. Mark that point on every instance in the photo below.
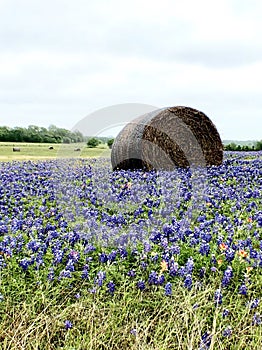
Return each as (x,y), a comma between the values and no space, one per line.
(89,248)
(202,272)
(111,287)
(154,257)
(100,277)
(34,246)
(193,242)
(70,265)
(58,256)
(112,256)
(153,278)
(103,258)
(147,247)
(188,282)
(168,231)
(65,274)
(213,259)
(168,289)
(74,255)
(225,313)
(254,303)
(144,265)
(68,325)
(189,265)
(204,249)
(228,274)
(141,285)
(175,249)
(227,332)
(24,263)
(256,321)
(205,341)
(133,331)
(243,289)
(131,273)
(51,274)
(182,271)
(123,252)
(230,254)
(161,280)
(173,268)
(218,297)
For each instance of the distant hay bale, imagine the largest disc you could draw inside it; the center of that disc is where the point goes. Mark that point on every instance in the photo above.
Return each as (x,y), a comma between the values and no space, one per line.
(77,149)
(51,147)
(167,138)
(16,149)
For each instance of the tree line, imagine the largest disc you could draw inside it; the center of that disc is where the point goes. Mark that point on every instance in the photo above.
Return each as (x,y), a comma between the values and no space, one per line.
(234,147)
(37,134)
(53,134)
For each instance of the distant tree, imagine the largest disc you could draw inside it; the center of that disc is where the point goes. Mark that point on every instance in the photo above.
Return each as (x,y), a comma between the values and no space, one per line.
(258,146)
(5,134)
(238,148)
(39,134)
(66,139)
(93,142)
(110,143)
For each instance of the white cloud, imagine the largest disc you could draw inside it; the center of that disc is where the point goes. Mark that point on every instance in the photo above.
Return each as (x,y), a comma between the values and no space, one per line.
(61,60)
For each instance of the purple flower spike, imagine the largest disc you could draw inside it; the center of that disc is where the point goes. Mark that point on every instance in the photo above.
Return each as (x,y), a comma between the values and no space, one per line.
(68,325)
(168,289)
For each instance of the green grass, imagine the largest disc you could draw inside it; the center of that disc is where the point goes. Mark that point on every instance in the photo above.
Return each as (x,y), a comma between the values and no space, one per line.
(41,151)
(34,318)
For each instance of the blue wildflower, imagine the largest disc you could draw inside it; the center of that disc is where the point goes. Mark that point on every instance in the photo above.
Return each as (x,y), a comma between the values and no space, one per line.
(228,274)
(100,277)
(133,331)
(189,265)
(204,249)
(141,285)
(218,297)
(131,273)
(227,332)
(188,282)
(65,274)
(153,278)
(111,287)
(168,289)
(242,289)
(205,341)
(68,325)
(254,304)
(256,321)
(51,274)
(103,258)
(225,313)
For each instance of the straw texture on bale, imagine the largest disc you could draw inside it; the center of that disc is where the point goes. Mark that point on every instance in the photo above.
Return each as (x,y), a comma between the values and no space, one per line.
(167,138)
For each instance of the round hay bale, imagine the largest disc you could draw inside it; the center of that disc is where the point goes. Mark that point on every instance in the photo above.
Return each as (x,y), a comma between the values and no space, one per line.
(167,138)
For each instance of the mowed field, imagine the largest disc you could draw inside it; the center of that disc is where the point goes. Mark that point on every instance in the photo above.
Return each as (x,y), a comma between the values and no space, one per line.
(41,151)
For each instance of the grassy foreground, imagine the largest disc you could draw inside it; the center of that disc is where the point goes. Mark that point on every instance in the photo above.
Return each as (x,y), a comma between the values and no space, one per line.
(34,317)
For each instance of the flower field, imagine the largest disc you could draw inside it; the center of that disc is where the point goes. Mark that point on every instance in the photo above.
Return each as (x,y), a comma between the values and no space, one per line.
(95,259)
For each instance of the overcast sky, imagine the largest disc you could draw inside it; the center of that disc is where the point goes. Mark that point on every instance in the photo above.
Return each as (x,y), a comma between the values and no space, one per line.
(62,60)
